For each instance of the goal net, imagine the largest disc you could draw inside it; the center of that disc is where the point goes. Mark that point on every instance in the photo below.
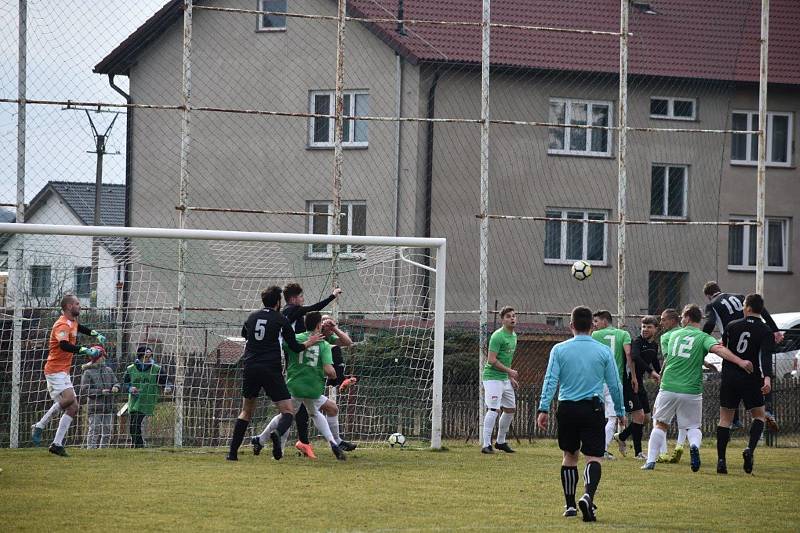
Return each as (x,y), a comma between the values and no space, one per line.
(140,290)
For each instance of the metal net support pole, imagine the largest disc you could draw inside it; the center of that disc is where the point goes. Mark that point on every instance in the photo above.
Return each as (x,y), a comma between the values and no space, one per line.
(761,173)
(15,275)
(186,138)
(622,149)
(483,282)
(338,154)
(438,347)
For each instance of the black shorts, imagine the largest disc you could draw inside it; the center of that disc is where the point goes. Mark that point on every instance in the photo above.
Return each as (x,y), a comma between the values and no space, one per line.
(635,401)
(581,426)
(267,377)
(734,389)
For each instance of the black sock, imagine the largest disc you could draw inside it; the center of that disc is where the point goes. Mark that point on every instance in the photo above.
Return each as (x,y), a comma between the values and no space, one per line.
(723,436)
(756,429)
(627,432)
(591,477)
(284,423)
(637,431)
(569,482)
(238,435)
(301,420)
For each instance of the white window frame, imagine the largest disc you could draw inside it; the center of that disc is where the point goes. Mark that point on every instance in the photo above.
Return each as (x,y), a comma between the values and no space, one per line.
(260,19)
(671,108)
(665,201)
(749,232)
(752,158)
(567,129)
(331,121)
(562,260)
(345,251)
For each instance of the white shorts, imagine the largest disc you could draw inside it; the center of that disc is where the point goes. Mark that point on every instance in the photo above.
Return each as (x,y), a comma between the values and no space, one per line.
(499,393)
(312,404)
(688,408)
(57,383)
(608,402)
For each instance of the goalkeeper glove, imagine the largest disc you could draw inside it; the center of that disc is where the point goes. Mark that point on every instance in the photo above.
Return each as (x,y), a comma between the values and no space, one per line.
(99,336)
(89,352)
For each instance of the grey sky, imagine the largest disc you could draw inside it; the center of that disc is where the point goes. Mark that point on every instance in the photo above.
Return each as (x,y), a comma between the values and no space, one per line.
(65,40)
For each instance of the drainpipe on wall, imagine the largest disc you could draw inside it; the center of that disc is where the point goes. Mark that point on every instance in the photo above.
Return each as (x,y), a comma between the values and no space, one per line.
(431,113)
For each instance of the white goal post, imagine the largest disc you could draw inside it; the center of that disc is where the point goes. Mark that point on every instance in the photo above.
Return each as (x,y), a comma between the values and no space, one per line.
(231,245)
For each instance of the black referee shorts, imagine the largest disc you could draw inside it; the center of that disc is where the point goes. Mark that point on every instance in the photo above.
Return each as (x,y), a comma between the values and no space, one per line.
(581,426)
(735,388)
(267,377)
(635,401)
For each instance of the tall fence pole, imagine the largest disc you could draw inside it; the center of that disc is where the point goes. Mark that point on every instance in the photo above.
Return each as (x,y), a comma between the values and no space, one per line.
(622,149)
(15,275)
(186,138)
(483,283)
(761,173)
(338,131)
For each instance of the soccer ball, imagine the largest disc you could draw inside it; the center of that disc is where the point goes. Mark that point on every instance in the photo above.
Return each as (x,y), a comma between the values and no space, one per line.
(397,438)
(581,270)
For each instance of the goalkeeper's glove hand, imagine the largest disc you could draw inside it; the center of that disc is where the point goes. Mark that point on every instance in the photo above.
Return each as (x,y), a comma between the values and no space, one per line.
(89,352)
(99,336)
(347,382)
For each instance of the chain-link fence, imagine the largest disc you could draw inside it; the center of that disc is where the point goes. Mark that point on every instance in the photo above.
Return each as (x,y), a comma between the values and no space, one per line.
(630,135)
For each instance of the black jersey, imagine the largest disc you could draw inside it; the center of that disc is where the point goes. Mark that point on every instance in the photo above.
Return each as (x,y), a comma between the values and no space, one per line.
(262,332)
(750,339)
(645,356)
(338,365)
(724,308)
(295,314)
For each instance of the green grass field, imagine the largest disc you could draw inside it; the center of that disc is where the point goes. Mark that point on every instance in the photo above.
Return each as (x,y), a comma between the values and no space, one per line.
(383,489)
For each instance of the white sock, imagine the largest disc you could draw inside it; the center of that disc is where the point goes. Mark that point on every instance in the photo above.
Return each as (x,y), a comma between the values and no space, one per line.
(658,438)
(611,428)
(681,437)
(663,447)
(695,437)
(488,427)
(333,423)
(503,425)
(273,424)
(322,425)
(63,427)
(53,411)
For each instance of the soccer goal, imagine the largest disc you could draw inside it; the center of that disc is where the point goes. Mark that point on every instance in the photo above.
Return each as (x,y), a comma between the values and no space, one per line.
(185,295)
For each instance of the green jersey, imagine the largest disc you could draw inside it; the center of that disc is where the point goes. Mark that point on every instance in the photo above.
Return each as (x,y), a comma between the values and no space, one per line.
(615,339)
(664,342)
(683,370)
(504,344)
(305,376)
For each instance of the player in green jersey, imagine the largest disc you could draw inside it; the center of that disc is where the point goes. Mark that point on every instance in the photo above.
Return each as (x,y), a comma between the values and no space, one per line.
(499,382)
(619,341)
(670,321)
(681,391)
(306,372)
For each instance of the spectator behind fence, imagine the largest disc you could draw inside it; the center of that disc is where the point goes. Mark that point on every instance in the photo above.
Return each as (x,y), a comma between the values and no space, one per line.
(142,380)
(98,385)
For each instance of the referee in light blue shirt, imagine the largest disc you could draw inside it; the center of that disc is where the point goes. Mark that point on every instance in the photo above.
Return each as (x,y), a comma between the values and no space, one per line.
(580,366)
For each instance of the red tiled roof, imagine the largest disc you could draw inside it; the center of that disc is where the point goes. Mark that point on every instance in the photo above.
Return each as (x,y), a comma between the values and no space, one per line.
(707,39)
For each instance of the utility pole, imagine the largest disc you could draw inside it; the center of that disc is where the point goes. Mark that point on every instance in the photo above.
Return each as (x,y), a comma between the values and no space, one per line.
(100,150)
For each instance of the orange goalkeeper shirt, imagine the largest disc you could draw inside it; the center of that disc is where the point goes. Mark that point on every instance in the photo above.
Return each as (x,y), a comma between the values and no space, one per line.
(59,360)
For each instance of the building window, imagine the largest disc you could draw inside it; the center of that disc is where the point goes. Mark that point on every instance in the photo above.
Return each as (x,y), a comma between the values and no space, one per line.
(555,321)
(83,281)
(742,245)
(40,281)
(272,22)
(665,290)
(354,132)
(580,141)
(3,262)
(664,107)
(353,222)
(668,191)
(577,238)
(744,146)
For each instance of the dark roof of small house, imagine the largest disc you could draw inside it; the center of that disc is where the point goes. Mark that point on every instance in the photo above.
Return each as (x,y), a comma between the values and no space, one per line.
(712,39)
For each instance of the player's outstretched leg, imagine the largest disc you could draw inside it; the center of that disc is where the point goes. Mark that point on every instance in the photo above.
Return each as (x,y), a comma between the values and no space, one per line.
(488,427)
(591,478)
(569,482)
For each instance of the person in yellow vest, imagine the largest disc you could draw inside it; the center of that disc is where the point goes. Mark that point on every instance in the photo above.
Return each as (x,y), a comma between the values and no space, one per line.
(142,381)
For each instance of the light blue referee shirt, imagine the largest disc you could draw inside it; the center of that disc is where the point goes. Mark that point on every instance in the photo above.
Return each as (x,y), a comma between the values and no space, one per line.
(581,365)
